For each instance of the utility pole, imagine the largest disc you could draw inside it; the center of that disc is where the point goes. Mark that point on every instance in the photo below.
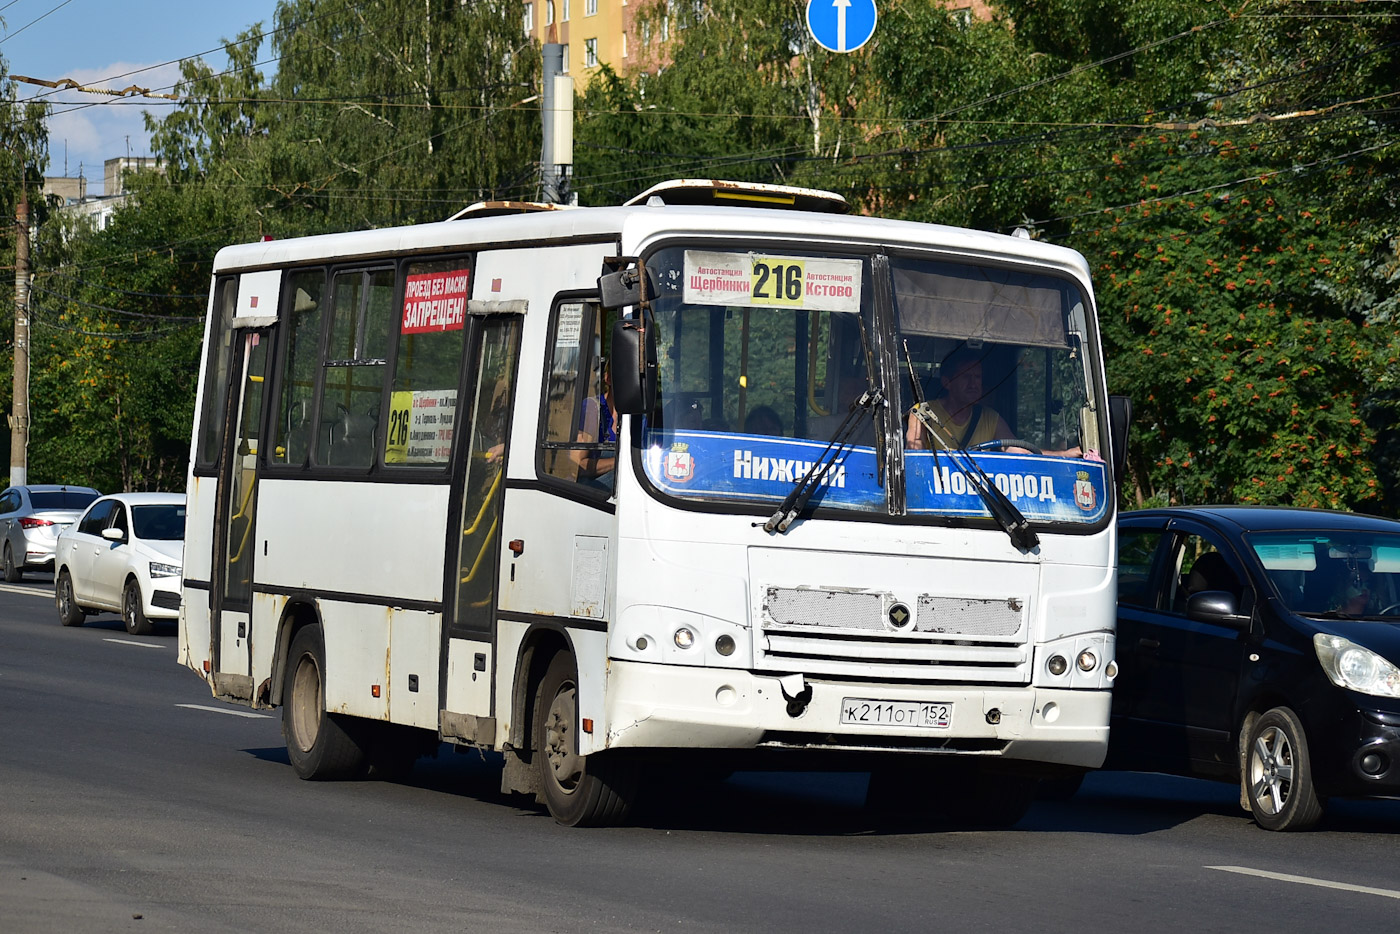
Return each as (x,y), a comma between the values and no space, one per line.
(19,416)
(557,119)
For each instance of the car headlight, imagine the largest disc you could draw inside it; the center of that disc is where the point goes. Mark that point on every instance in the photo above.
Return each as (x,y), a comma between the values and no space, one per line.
(1350,666)
(165,570)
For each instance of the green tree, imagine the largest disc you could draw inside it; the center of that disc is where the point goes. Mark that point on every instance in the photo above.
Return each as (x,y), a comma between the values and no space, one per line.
(380,113)
(117,317)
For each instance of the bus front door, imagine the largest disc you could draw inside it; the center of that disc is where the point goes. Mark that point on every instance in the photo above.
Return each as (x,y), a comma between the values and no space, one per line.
(475,547)
(232,586)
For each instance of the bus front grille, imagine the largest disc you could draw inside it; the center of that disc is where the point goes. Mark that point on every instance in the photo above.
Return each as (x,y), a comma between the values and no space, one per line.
(875,635)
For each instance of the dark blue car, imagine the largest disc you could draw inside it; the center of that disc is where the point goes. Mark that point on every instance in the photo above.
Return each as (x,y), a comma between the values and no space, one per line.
(1260,645)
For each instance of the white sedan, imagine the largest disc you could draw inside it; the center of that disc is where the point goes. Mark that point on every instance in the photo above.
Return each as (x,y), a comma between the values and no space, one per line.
(125,554)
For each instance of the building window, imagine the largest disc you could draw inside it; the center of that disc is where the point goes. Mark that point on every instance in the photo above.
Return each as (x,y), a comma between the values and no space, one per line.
(564,12)
(590,53)
(564,68)
(549,13)
(529,18)
(590,7)
(624,45)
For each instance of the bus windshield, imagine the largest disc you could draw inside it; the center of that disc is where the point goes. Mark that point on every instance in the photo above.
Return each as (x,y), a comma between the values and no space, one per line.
(763,354)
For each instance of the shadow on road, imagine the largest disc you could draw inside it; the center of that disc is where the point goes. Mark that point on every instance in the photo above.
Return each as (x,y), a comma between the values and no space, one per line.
(832,804)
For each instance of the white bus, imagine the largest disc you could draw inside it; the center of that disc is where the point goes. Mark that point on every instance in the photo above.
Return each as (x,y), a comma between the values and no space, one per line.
(685,485)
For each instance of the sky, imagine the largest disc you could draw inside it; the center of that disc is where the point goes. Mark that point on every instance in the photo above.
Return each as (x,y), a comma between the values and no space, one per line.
(100,43)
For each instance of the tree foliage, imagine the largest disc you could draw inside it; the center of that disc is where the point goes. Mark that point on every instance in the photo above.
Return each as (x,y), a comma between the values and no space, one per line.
(1229,173)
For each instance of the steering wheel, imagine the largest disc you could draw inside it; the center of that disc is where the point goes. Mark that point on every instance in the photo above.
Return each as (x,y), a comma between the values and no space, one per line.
(1393,608)
(1001,444)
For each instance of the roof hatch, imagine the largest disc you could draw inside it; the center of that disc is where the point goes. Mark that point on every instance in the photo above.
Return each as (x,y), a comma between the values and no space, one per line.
(742,195)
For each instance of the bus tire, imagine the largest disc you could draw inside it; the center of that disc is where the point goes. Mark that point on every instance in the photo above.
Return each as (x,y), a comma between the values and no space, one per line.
(69,613)
(579,791)
(319,744)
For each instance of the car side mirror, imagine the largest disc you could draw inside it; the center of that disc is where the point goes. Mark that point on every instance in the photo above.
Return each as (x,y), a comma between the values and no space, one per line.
(1215,606)
(114,535)
(633,365)
(1120,417)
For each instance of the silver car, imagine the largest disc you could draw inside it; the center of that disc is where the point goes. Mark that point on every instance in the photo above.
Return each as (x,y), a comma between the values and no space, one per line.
(31,518)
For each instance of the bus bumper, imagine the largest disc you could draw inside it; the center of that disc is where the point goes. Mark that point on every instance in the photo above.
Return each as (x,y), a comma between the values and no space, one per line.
(671,706)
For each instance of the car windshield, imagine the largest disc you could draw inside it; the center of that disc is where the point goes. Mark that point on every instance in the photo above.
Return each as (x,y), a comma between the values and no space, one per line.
(61,499)
(761,355)
(164,522)
(1333,573)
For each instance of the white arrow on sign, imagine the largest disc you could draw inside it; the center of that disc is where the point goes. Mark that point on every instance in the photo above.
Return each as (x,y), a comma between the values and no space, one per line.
(841,7)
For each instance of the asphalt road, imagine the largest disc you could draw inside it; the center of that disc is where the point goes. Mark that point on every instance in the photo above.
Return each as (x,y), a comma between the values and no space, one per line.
(132,801)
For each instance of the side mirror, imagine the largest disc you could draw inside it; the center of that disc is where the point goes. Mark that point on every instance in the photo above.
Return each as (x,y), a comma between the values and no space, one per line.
(634,373)
(1215,606)
(114,535)
(1120,417)
(618,288)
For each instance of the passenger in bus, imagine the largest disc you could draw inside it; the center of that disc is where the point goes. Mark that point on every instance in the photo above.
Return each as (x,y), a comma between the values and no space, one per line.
(959,409)
(597,426)
(762,420)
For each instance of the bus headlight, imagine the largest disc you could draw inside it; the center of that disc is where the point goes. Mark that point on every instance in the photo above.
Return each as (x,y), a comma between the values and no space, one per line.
(1057,665)
(685,637)
(1088,660)
(725,645)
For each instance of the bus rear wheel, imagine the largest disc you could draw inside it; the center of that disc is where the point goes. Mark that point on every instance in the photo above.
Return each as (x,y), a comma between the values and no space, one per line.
(319,744)
(580,791)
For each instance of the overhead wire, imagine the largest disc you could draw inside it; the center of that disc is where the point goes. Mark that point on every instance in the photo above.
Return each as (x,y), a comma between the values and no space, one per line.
(8,36)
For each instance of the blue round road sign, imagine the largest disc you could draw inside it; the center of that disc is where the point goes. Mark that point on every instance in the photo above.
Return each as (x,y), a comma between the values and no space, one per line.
(841,25)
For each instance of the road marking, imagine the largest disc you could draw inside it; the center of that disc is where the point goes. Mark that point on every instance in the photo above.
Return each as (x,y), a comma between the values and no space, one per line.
(1304,880)
(35,591)
(231,713)
(144,645)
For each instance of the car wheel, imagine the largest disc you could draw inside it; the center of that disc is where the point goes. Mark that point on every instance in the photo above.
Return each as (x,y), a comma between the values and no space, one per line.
(133,610)
(580,791)
(319,744)
(69,613)
(13,572)
(1278,773)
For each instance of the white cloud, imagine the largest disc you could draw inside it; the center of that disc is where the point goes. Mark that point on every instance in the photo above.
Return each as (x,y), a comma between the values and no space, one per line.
(96,127)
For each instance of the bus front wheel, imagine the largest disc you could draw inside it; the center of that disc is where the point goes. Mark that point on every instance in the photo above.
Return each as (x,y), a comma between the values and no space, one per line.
(580,791)
(319,744)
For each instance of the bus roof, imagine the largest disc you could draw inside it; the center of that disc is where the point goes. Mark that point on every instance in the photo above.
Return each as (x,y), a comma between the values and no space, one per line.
(637,224)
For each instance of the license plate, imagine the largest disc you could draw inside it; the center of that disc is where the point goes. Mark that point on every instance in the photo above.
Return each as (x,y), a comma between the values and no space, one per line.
(864,712)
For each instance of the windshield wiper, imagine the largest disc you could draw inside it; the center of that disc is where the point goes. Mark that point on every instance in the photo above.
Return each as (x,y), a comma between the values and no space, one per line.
(1011,520)
(811,481)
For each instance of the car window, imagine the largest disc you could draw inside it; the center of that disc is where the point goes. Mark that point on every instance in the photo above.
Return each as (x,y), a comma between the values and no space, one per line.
(119,521)
(9,502)
(61,499)
(164,522)
(1136,547)
(97,517)
(1199,566)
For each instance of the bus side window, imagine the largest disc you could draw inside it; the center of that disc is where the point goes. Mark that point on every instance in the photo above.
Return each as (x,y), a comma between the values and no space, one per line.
(362,311)
(294,431)
(211,416)
(579,431)
(423,387)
